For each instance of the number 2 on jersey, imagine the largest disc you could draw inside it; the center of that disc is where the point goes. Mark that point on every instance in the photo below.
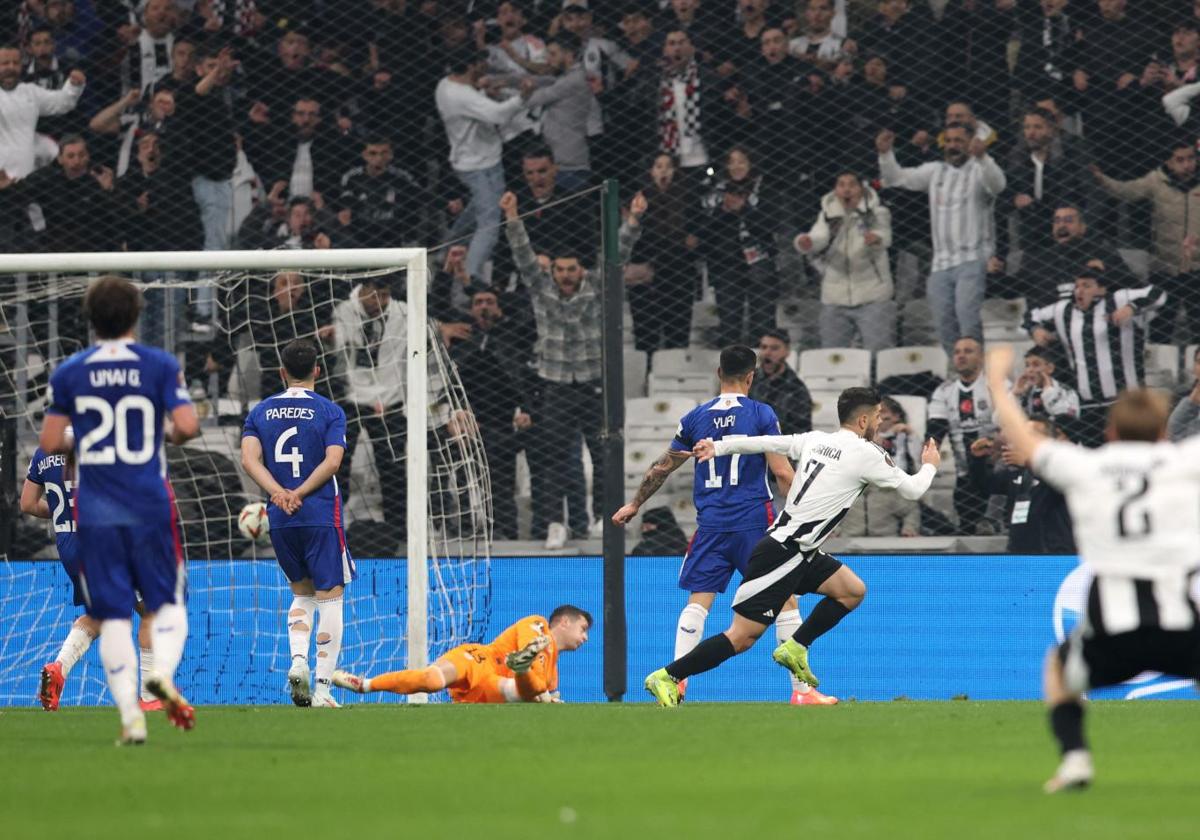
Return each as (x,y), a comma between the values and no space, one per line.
(1129,523)
(713,481)
(295,458)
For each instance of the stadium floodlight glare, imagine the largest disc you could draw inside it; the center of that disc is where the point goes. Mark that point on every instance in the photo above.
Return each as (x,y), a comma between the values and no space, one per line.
(46,278)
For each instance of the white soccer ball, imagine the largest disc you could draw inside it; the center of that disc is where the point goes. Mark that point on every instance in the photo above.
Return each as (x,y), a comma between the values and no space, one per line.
(253,523)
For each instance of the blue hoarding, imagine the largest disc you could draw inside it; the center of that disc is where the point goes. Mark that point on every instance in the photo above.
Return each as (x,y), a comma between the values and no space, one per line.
(931,627)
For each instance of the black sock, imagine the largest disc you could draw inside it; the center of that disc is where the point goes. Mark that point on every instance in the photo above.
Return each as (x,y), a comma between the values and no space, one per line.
(704,657)
(821,620)
(1066,721)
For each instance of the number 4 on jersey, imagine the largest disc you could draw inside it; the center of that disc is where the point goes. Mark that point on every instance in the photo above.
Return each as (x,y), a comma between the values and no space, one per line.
(295,458)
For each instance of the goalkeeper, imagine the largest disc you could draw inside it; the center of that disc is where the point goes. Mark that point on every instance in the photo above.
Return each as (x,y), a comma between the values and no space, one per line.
(519,666)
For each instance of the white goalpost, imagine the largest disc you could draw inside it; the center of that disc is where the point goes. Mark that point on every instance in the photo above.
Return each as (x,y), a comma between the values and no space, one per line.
(460,515)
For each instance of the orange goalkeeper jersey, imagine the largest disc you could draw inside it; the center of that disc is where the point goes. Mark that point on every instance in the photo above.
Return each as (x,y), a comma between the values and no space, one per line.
(544,670)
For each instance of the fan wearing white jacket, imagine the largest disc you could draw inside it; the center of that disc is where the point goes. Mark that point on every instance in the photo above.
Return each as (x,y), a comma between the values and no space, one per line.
(848,244)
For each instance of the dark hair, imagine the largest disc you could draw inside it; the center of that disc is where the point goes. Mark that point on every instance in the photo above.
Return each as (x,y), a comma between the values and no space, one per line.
(480,289)
(1181,141)
(299,358)
(537,150)
(634,7)
(567,41)
(1039,353)
(978,341)
(41,27)
(736,361)
(961,126)
(1042,114)
(297,200)
(892,405)
(112,305)
(70,139)
(376,140)
(779,334)
(1069,205)
(1189,24)
(854,401)
(568,611)
(1087,272)
(465,57)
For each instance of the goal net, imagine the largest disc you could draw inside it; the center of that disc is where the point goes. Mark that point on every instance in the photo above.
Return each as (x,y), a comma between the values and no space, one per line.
(415,481)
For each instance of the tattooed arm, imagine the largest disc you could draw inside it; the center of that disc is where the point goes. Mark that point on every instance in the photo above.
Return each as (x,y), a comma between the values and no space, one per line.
(655,477)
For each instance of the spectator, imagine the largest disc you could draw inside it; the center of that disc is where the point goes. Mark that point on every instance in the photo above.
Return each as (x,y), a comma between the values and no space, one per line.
(738,51)
(1185,418)
(296,308)
(962,408)
(661,535)
(1050,275)
(849,242)
(565,100)
(566,304)
(660,279)
(118,119)
(703,30)
(471,119)
(818,47)
(873,102)
(777,98)
(141,56)
(960,112)
(962,191)
(1039,393)
(486,361)
(308,155)
(290,225)
(1047,57)
(1040,180)
(1111,360)
(43,68)
(905,35)
(1182,78)
(690,113)
(275,80)
(737,240)
(978,35)
(777,385)
(21,105)
(156,203)
(641,42)
(207,153)
(63,202)
(516,52)
(381,205)
(1174,193)
(554,225)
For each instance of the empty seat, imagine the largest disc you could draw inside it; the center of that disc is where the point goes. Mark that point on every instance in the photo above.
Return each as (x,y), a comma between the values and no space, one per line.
(835,368)
(655,419)
(635,373)
(1162,365)
(685,360)
(825,417)
(1002,319)
(897,361)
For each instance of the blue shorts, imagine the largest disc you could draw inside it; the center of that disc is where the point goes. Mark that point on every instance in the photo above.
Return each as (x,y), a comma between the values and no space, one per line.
(712,557)
(117,562)
(68,555)
(318,552)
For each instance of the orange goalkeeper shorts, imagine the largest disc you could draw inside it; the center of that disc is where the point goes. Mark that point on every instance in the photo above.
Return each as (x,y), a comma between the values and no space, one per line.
(477,680)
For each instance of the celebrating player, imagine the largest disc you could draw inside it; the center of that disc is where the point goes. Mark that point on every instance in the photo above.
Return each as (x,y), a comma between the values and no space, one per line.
(292,446)
(733,504)
(1135,505)
(123,399)
(53,477)
(835,469)
(520,665)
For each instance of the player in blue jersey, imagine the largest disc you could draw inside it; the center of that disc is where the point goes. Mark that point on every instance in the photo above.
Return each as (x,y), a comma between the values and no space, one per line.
(733,503)
(292,446)
(124,400)
(49,493)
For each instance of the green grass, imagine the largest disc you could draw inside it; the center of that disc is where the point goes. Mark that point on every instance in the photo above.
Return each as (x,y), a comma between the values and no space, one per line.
(921,770)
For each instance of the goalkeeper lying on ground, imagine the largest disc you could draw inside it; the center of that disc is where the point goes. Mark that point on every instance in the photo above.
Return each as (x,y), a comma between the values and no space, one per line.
(520,665)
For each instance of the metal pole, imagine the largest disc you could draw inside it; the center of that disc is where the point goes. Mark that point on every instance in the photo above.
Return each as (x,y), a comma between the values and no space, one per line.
(613,436)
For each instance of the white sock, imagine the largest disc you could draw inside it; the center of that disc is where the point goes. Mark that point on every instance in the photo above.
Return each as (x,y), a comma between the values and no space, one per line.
(73,648)
(787,624)
(300,615)
(170,630)
(690,630)
(119,657)
(329,639)
(145,669)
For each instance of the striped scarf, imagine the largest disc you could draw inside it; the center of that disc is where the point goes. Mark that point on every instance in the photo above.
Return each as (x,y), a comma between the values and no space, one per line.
(668,125)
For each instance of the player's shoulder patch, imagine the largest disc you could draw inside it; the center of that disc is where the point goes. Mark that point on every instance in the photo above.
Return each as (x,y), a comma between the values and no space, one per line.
(886,457)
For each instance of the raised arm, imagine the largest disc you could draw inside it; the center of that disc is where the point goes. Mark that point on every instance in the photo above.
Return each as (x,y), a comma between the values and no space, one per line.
(992,176)
(1139,189)
(476,105)
(528,270)
(788,445)
(886,475)
(1178,103)
(54,102)
(895,175)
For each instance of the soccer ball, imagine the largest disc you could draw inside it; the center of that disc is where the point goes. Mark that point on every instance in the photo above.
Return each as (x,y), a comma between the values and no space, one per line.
(253,523)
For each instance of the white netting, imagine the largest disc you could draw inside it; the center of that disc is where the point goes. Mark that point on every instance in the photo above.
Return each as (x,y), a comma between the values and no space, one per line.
(238,597)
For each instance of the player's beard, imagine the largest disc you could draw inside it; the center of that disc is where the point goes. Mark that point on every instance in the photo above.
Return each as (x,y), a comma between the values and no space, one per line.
(870,432)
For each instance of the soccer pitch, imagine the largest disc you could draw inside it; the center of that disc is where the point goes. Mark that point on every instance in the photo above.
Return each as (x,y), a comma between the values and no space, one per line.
(870,770)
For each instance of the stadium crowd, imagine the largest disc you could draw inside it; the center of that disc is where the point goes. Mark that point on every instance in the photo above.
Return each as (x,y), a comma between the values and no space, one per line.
(831,151)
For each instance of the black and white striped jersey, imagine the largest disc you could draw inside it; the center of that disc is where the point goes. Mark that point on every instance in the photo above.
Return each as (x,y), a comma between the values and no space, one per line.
(964,411)
(832,471)
(1136,514)
(1106,358)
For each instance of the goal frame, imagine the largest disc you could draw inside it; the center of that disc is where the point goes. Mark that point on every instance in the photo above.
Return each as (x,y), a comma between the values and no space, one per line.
(415,261)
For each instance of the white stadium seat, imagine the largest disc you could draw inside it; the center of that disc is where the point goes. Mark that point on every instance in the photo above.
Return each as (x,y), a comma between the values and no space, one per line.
(635,373)
(835,368)
(1002,319)
(689,372)
(896,361)
(825,418)
(655,419)
(916,408)
(1162,365)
